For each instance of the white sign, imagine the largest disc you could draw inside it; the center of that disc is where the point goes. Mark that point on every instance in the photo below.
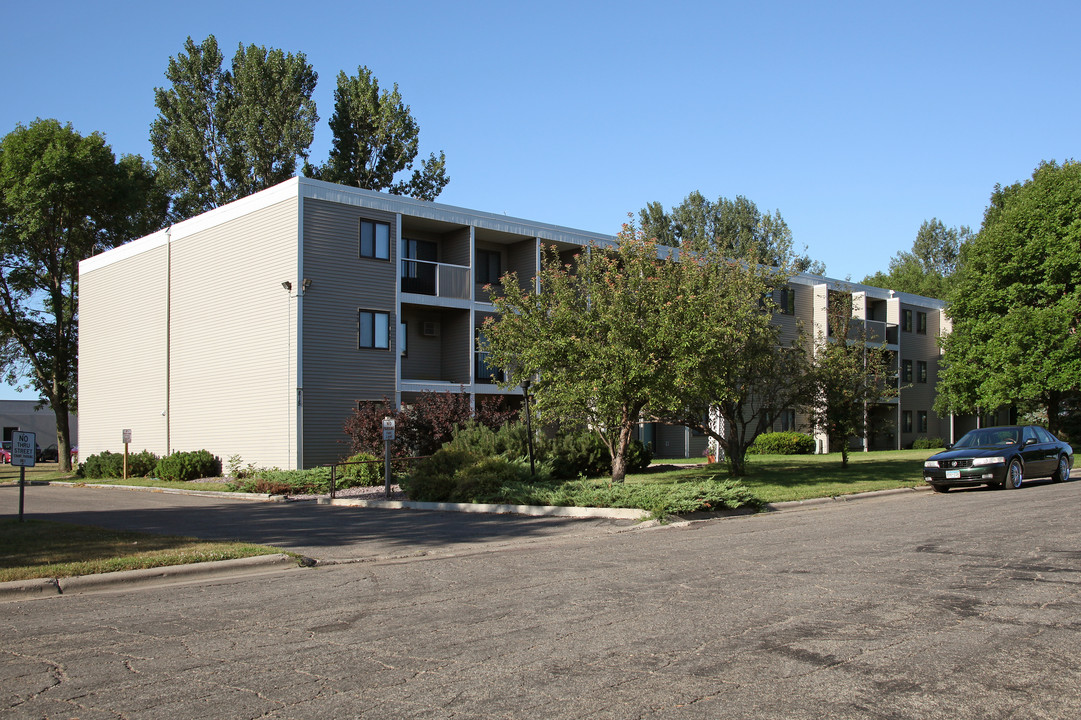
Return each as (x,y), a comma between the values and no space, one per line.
(388,428)
(127,436)
(23,449)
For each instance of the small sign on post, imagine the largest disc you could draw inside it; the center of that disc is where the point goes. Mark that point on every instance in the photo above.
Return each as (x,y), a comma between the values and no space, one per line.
(23,455)
(388,437)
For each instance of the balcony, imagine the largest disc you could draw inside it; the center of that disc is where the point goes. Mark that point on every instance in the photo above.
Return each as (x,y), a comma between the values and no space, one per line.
(485,373)
(424,277)
(874,331)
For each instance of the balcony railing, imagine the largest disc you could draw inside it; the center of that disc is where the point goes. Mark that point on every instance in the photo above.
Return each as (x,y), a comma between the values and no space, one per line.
(424,277)
(874,331)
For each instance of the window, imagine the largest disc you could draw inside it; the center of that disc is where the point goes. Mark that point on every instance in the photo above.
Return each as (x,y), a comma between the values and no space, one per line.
(906,320)
(921,323)
(921,371)
(787,301)
(488,267)
(921,420)
(374,329)
(788,420)
(906,371)
(1043,435)
(906,421)
(403,336)
(374,240)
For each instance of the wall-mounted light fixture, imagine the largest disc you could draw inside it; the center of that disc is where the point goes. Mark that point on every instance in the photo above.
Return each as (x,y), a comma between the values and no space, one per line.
(288,286)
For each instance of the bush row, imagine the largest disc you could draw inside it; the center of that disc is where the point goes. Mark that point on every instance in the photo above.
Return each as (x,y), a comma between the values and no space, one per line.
(179,465)
(570,455)
(782,443)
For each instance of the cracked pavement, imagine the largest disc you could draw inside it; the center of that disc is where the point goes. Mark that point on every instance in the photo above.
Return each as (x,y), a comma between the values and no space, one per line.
(963,605)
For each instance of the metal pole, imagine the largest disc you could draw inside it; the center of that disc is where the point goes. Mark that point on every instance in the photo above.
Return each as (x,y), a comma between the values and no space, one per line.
(22,489)
(386,469)
(529,429)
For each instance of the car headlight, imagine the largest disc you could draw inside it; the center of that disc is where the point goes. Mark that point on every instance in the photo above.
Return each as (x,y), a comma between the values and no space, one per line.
(930,463)
(976,462)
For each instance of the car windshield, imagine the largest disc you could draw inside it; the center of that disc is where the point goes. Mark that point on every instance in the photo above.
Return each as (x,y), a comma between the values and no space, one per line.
(988,437)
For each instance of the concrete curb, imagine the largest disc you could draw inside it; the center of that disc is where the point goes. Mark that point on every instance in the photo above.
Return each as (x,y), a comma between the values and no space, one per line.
(253,497)
(811,502)
(490,509)
(43,587)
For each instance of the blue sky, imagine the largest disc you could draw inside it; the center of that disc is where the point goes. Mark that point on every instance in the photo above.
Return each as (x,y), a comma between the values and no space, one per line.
(856,120)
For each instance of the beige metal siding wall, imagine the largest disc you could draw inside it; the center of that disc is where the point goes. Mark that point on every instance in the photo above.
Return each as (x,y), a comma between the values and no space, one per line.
(455,247)
(424,359)
(122,362)
(233,358)
(457,346)
(522,259)
(336,373)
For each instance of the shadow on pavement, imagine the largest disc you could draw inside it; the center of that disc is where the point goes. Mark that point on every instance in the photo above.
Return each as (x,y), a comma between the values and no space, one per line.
(299,526)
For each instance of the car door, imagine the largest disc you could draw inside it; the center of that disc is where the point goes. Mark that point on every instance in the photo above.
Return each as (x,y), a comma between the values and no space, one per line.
(1035,454)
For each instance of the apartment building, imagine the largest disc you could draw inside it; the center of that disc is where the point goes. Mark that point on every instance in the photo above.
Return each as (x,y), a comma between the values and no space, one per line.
(256,328)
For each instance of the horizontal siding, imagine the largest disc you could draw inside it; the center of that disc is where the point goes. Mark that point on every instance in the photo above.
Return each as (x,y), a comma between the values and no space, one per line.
(233,352)
(122,358)
(336,373)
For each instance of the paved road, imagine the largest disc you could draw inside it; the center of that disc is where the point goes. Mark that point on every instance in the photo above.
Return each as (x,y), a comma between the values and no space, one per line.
(912,606)
(324,532)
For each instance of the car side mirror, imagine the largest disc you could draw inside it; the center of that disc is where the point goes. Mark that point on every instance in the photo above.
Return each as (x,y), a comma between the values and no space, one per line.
(1030,441)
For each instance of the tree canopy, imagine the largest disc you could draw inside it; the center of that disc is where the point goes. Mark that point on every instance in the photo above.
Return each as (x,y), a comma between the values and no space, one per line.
(1014,300)
(222,134)
(634,332)
(63,198)
(735,229)
(375,139)
(927,268)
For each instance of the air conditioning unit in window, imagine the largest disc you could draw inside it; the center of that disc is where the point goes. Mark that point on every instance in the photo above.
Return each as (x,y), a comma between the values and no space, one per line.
(430,329)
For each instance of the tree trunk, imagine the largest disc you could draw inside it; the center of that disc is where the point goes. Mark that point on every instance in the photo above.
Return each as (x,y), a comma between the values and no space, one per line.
(619,457)
(1054,398)
(63,437)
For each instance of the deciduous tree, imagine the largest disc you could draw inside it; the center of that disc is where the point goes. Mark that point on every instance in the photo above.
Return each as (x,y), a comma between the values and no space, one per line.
(1015,302)
(636,332)
(376,139)
(927,268)
(63,198)
(736,229)
(222,134)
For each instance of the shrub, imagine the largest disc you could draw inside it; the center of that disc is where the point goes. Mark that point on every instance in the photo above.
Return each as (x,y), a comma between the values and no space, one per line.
(423,426)
(925,443)
(111,465)
(510,440)
(482,480)
(285,482)
(782,443)
(367,471)
(584,454)
(188,465)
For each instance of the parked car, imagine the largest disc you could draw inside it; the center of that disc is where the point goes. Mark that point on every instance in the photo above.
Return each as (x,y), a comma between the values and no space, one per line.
(49,454)
(5,451)
(1000,457)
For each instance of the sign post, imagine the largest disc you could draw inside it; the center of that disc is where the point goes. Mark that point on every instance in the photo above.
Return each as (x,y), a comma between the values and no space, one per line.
(23,455)
(388,437)
(127,439)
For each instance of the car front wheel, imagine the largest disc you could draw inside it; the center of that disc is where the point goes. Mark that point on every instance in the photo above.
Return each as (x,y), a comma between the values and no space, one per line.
(1014,476)
(1063,471)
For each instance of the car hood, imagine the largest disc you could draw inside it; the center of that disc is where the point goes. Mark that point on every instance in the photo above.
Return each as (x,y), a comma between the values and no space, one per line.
(972,452)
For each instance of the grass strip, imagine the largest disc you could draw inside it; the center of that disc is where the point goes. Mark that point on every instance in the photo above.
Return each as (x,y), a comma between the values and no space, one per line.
(777,478)
(43,549)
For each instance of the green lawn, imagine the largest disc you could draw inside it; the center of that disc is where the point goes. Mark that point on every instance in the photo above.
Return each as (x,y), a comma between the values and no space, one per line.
(154,482)
(776,478)
(41,549)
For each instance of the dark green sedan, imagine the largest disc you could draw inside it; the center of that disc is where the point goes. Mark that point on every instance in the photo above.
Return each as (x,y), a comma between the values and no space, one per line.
(1000,457)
